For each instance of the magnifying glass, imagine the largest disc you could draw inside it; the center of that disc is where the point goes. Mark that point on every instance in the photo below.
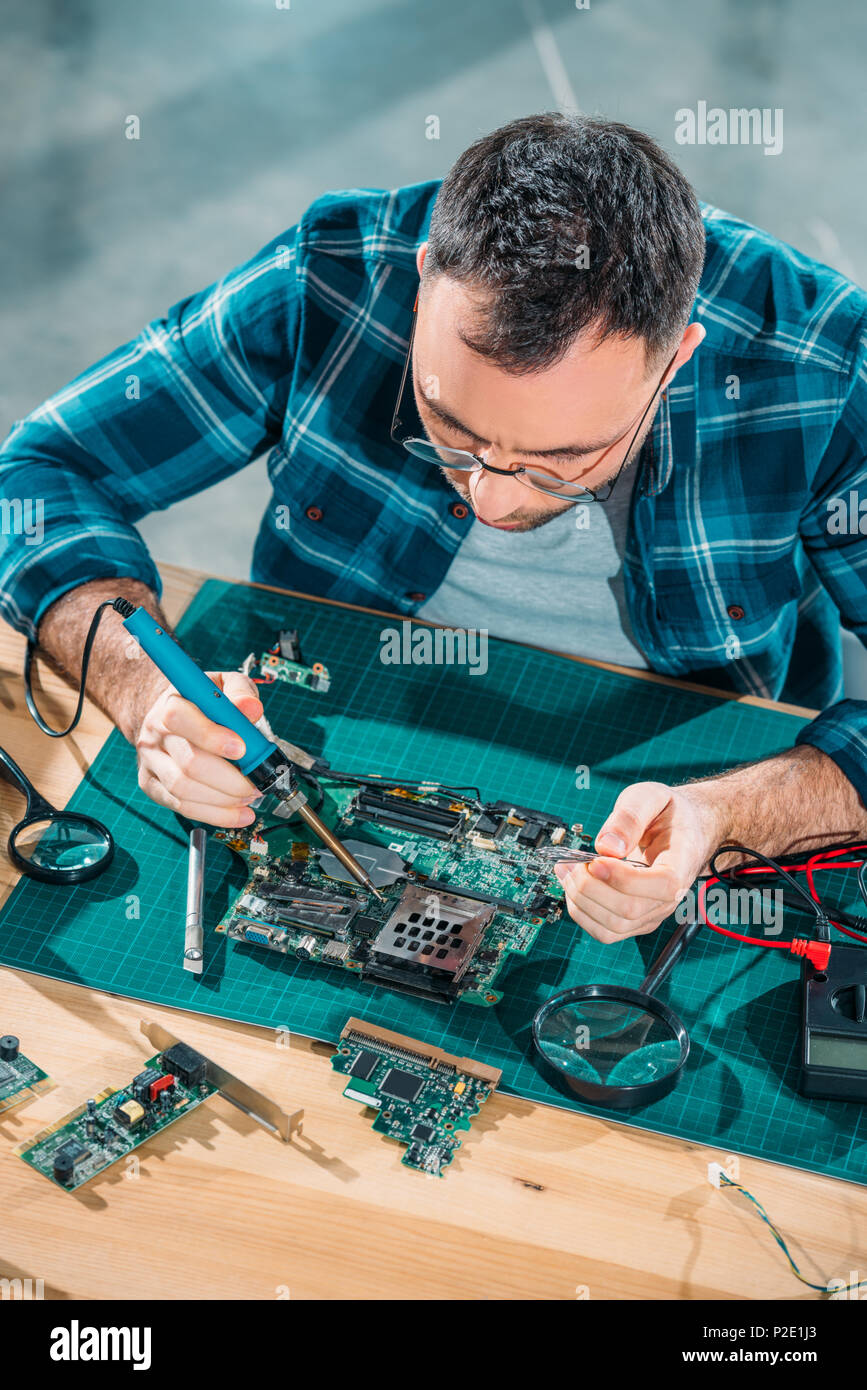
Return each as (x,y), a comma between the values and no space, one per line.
(615,1046)
(55,846)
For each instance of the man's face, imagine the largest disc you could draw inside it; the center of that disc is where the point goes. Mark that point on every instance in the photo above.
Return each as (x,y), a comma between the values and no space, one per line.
(574,420)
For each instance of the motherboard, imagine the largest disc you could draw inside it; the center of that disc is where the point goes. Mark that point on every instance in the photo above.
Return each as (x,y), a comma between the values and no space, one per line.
(422,1096)
(465,884)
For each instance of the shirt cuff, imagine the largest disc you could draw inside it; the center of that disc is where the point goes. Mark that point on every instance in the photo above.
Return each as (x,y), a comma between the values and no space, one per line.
(841,732)
(38,576)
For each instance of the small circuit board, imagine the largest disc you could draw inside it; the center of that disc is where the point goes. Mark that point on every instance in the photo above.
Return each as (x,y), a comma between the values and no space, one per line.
(284,662)
(424,1097)
(464,885)
(112,1124)
(19,1077)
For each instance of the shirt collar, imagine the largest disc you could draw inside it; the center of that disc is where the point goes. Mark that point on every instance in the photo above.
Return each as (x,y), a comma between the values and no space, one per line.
(657,454)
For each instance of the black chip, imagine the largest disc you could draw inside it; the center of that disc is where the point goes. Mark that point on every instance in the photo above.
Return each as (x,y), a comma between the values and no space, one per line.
(366,926)
(423,1132)
(487,825)
(66,1160)
(530,834)
(402,1085)
(364,1065)
(73,1151)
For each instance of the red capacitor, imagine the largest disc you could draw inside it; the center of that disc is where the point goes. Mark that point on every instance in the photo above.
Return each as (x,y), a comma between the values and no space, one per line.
(161,1085)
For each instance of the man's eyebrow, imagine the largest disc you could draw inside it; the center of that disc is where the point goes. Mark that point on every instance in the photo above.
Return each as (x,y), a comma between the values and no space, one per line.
(564,451)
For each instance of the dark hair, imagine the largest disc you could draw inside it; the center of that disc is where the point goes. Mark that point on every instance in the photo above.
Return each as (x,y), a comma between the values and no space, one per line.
(514,212)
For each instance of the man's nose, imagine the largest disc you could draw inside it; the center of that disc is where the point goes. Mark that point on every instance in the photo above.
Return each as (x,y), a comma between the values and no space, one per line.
(495,495)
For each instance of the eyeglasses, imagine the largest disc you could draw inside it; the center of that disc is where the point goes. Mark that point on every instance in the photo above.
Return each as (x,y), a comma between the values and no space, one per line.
(463,461)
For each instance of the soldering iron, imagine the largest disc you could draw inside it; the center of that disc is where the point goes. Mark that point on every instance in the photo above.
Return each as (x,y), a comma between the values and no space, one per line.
(263,762)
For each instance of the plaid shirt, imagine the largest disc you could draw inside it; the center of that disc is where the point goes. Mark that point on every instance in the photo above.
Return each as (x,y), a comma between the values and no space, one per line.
(734,577)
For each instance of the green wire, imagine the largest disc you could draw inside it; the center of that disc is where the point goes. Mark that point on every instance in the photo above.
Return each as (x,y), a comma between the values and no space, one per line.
(822,1288)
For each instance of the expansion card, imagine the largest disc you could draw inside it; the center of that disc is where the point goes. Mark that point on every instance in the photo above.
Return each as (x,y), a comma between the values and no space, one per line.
(464,885)
(110,1125)
(19,1077)
(423,1096)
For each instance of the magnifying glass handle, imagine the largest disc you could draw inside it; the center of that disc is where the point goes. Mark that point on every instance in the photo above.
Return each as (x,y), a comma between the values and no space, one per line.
(36,804)
(671,951)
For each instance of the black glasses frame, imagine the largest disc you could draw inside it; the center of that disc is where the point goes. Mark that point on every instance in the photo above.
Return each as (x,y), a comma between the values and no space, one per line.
(588,495)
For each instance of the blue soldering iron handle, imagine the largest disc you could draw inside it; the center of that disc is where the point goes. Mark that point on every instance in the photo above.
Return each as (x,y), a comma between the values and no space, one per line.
(191,682)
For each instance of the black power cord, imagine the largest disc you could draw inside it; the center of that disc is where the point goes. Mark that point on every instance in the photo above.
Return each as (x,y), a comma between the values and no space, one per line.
(120,605)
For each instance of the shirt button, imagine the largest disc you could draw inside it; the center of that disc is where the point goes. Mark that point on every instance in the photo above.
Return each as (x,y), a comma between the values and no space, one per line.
(313,513)
(735,612)
(459,510)
(416,598)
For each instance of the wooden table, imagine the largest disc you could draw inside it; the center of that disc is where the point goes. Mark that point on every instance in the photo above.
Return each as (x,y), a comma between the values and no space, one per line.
(539,1204)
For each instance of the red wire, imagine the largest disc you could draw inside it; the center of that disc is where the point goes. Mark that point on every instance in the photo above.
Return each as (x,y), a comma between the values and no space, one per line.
(723,931)
(812,865)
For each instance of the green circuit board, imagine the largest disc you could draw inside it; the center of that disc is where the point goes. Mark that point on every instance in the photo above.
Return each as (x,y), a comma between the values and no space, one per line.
(284,662)
(423,1097)
(465,884)
(107,1128)
(20,1078)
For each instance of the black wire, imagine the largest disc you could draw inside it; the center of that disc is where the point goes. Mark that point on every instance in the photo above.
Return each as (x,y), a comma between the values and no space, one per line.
(862,887)
(28,661)
(377,779)
(832,911)
(823,926)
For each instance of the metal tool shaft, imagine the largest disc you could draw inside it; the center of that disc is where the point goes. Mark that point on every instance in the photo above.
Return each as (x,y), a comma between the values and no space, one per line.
(193,934)
(580,856)
(320,829)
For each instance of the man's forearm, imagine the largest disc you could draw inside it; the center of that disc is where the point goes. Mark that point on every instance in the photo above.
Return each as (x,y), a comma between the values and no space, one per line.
(797,800)
(120,678)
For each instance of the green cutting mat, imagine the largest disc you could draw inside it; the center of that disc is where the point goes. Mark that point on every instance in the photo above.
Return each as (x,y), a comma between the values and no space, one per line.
(518,732)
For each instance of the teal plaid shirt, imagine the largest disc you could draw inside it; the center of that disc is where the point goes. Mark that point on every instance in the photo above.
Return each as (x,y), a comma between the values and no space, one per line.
(739,564)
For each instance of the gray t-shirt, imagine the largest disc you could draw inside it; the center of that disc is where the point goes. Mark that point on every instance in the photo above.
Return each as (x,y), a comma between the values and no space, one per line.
(560,586)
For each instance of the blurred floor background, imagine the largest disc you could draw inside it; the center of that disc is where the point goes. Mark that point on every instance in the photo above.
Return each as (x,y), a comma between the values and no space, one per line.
(248,112)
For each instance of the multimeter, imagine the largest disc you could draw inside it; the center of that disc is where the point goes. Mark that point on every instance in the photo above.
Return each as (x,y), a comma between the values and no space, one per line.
(834,1026)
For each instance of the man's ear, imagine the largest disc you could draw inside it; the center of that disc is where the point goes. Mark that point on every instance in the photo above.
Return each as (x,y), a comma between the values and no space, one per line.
(419,256)
(693,336)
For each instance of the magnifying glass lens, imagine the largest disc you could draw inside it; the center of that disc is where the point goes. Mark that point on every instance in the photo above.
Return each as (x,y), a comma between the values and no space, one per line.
(62,845)
(610,1042)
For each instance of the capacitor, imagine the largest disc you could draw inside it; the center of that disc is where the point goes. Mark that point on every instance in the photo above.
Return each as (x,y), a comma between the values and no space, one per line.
(90,1120)
(8,1048)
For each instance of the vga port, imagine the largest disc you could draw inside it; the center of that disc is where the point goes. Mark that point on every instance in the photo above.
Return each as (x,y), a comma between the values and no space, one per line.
(261,935)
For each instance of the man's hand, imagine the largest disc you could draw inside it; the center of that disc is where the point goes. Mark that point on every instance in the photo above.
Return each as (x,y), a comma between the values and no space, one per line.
(797,800)
(182,755)
(676,829)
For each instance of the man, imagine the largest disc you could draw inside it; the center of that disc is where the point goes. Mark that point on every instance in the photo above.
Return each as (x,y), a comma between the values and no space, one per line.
(626,425)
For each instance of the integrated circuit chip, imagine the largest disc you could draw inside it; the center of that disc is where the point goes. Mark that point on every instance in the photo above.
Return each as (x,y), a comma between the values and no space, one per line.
(402,1085)
(364,1065)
